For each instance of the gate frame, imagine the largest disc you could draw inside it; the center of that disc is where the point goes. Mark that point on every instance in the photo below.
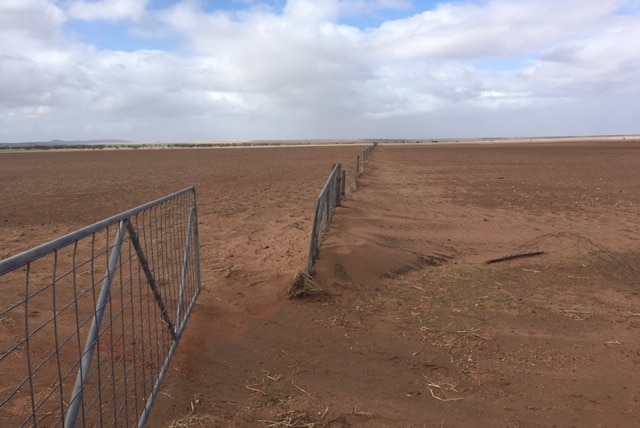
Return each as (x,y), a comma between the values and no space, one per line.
(68,416)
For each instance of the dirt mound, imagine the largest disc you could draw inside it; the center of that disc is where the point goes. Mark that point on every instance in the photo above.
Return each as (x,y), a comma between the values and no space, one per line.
(360,260)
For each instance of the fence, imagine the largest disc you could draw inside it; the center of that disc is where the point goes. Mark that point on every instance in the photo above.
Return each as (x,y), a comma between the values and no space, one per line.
(328,200)
(365,158)
(89,322)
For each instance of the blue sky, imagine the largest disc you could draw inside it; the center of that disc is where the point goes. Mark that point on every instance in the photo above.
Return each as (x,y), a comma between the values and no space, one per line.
(206,70)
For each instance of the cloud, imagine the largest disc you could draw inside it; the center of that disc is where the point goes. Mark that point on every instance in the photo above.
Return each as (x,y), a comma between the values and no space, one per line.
(37,63)
(499,28)
(298,69)
(110,10)
(29,26)
(274,55)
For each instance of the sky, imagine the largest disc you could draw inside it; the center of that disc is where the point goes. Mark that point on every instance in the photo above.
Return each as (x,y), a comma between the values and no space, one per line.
(207,70)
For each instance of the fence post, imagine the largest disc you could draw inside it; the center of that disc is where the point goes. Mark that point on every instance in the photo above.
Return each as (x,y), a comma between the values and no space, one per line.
(357,166)
(343,183)
(338,187)
(314,233)
(327,201)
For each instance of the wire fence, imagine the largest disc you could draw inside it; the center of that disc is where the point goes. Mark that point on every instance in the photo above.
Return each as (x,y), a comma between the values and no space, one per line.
(330,197)
(89,322)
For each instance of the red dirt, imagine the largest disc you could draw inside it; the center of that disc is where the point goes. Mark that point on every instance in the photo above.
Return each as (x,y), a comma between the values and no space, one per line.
(415,330)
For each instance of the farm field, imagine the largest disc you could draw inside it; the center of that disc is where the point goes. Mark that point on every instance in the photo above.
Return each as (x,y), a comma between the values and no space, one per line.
(415,328)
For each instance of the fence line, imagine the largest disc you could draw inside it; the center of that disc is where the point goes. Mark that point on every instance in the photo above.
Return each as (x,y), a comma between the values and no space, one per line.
(89,322)
(329,198)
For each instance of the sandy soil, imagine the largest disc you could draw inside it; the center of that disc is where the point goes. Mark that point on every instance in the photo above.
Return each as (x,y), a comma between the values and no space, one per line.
(415,328)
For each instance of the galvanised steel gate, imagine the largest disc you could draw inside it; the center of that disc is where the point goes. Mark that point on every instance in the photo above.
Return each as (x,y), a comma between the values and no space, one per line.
(89,322)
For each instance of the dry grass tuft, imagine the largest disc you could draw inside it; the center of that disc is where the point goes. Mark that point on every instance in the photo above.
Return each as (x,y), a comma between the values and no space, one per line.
(304,285)
(191,421)
(294,419)
(439,391)
(576,314)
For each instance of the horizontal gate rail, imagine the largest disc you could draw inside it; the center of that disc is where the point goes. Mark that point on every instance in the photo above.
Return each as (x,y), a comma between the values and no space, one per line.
(14,262)
(89,322)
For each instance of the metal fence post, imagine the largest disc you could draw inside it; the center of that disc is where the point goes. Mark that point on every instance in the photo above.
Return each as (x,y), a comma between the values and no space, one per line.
(328,202)
(314,234)
(338,189)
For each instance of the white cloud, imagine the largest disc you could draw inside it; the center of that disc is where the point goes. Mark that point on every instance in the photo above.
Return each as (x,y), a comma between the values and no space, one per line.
(110,10)
(300,72)
(269,52)
(29,26)
(305,11)
(37,64)
(494,29)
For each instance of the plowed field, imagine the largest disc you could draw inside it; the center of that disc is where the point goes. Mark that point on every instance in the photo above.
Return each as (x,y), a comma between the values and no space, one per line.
(415,328)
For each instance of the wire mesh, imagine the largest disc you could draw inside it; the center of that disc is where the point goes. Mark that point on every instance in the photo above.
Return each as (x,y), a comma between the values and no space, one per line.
(88,327)
(326,203)
(329,198)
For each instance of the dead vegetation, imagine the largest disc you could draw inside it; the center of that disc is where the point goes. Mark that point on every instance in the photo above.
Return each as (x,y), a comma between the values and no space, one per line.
(304,285)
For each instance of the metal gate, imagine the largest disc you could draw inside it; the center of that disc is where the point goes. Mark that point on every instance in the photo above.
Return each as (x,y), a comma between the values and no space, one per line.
(89,322)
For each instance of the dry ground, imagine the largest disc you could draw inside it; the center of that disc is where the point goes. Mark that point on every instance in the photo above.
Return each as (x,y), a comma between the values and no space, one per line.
(415,330)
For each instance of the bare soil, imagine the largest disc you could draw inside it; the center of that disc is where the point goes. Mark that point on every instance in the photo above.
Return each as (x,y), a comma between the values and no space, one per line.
(415,329)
